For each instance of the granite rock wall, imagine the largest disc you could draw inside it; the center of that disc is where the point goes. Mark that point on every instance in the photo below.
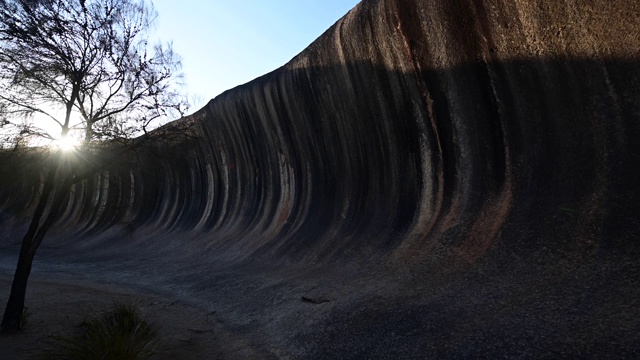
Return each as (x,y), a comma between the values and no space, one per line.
(432,136)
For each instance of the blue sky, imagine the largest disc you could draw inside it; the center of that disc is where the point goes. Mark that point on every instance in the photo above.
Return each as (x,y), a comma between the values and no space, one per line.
(225,43)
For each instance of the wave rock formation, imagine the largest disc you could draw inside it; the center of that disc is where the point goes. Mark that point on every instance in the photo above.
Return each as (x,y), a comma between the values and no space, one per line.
(426,179)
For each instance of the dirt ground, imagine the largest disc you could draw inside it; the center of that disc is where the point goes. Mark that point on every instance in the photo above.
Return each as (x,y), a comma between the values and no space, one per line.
(57,309)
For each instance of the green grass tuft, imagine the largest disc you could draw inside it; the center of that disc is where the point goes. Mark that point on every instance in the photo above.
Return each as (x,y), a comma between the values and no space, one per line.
(117,333)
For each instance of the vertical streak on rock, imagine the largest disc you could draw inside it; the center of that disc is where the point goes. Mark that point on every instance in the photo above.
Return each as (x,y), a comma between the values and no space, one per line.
(431,198)
(498,201)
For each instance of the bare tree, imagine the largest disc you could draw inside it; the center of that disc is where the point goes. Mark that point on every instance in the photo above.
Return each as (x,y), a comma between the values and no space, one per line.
(86,67)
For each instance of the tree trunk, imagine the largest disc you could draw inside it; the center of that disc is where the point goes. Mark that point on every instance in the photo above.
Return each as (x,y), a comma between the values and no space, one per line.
(13,313)
(12,320)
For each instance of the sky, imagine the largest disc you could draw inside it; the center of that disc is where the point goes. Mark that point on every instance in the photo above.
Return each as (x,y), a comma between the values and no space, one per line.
(226,43)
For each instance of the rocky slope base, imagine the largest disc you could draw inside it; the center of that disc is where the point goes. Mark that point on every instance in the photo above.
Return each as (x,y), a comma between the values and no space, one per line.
(426,179)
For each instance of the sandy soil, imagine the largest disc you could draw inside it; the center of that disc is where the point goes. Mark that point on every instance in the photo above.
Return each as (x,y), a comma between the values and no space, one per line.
(57,308)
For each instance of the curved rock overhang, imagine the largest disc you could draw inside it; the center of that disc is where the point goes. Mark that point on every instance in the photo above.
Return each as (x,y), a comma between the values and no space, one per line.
(422,137)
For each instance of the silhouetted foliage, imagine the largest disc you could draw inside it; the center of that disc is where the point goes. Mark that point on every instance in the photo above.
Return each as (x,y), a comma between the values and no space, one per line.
(89,61)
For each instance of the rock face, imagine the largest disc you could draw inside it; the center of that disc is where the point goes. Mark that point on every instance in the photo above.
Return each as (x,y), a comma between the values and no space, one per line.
(453,177)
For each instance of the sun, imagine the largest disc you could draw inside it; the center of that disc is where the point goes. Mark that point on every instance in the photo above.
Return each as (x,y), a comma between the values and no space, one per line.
(66,143)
